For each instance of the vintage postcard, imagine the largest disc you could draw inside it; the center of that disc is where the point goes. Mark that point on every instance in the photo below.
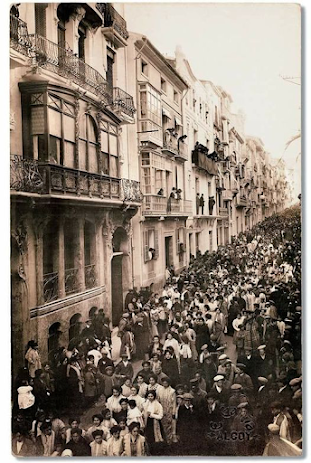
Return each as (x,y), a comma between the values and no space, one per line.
(155,153)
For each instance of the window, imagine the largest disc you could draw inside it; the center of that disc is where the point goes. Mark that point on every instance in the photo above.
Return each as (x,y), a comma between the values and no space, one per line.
(56,144)
(88,158)
(71,257)
(109,74)
(210,233)
(109,149)
(144,67)
(163,85)
(176,97)
(150,112)
(40,19)
(75,326)
(180,240)
(151,245)
(53,341)
(50,262)
(89,255)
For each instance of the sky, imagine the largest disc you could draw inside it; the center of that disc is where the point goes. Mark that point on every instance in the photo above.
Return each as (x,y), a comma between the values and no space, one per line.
(245,48)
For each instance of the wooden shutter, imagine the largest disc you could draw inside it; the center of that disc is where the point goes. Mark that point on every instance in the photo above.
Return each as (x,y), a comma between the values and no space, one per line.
(40,19)
(156,244)
(146,245)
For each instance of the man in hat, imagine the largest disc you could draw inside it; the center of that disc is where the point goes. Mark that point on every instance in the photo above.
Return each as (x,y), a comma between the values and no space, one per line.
(219,390)
(263,364)
(262,392)
(124,368)
(104,362)
(197,394)
(186,424)
(282,419)
(244,379)
(209,371)
(123,323)
(284,390)
(237,396)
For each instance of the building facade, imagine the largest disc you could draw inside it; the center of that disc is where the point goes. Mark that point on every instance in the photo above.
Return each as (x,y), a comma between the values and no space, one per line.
(73,188)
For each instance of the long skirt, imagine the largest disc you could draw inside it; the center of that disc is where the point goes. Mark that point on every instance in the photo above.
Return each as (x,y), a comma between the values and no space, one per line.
(154,443)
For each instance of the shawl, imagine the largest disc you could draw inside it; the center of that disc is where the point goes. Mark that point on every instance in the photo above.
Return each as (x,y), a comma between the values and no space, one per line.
(156,413)
(140,445)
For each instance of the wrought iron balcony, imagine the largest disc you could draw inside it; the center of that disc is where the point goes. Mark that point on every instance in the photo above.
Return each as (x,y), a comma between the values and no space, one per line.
(65,63)
(71,281)
(170,145)
(43,178)
(90,276)
(156,205)
(122,102)
(19,38)
(50,286)
(114,25)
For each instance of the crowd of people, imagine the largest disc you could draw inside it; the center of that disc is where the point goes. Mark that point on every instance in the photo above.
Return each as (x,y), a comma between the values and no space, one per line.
(219,353)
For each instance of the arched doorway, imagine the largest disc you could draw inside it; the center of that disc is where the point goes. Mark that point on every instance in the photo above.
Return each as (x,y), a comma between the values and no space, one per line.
(74,326)
(53,341)
(118,272)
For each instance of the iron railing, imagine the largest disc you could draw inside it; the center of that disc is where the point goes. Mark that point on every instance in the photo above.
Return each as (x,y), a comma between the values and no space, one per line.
(71,281)
(123,102)
(113,19)
(37,177)
(50,286)
(25,175)
(90,276)
(170,144)
(19,38)
(65,63)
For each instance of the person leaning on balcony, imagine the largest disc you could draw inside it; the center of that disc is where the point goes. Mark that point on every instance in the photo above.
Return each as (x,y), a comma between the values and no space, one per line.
(197,203)
(161,192)
(202,202)
(211,204)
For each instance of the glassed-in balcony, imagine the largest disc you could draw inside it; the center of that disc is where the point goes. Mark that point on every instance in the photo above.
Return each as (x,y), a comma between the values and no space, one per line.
(43,178)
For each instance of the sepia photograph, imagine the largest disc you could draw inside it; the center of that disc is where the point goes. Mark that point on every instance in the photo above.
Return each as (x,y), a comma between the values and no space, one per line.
(155,229)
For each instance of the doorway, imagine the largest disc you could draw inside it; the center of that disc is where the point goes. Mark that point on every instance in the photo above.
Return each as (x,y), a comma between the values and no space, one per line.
(168,251)
(116,288)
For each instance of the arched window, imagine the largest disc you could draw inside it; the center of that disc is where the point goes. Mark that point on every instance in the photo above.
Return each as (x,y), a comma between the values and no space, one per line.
(50,262)
(75,326)
(53,341)
(88,159)
(70,247)
(89,255)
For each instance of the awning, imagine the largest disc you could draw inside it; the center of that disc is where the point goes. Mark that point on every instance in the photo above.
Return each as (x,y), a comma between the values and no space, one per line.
(178,121)
(166,113)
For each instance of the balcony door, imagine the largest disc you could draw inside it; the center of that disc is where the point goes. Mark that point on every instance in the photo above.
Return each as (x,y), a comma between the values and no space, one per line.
(168,251)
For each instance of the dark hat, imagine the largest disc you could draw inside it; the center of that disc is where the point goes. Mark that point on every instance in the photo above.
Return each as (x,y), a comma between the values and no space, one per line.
(241,366)
(32,344)
(146,363)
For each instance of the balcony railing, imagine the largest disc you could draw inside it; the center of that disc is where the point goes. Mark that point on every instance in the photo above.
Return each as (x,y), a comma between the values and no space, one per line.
(50,286)
(227,195)
(34,177)
(90,276)
(113,19)
(71,281)
(50,55)
(123,102)
(241,201)
(130,190)
(155,205)
(170,145)
(223,211)
(19,38)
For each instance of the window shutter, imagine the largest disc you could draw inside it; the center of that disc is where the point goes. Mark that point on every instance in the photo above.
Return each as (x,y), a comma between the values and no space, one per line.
(40,19)
(177,241)
(156,244)
(185,239)
(146,246)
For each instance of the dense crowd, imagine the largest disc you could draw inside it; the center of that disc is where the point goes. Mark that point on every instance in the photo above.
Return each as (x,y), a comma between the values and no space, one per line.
(220,356)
